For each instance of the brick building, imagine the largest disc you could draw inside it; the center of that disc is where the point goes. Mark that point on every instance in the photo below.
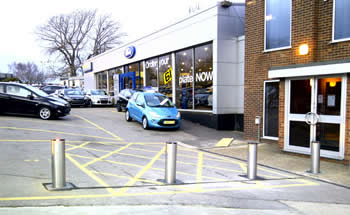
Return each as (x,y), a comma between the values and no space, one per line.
(297,65)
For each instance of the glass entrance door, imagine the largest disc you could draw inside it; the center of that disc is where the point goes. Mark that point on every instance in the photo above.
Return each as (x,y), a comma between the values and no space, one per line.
(320,100)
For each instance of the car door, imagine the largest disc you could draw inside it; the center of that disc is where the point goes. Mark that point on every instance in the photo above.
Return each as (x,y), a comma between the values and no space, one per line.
(21,100)
(139,107)
(4,99)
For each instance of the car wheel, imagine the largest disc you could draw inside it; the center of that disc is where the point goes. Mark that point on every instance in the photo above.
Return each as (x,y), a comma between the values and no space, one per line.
(145,123)
(45,113)
(127,116)
(119,109)
(88,104)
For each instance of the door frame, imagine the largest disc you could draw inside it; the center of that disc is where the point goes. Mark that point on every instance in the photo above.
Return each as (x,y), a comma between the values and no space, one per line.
(303,150)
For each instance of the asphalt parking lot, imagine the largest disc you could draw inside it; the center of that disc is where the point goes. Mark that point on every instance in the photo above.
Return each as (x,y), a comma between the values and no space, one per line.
(114,162)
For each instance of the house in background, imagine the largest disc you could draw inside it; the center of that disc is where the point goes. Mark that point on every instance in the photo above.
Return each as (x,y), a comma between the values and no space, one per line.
(297,65)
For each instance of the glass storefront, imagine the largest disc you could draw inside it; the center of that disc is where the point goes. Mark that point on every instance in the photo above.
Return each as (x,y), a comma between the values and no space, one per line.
(101,80)
(184,79)
(165,76)
(193,77)
(203,79)
(151,72)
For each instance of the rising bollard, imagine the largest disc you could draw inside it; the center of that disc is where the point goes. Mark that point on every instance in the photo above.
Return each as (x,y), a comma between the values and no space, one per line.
(252,160)
(58,167)
(315,157)
(170,162)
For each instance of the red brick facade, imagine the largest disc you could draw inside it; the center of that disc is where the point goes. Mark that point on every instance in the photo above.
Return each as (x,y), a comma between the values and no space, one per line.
(312,23)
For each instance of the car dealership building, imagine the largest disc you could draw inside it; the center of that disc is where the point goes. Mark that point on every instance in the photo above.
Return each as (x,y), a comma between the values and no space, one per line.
(198,62)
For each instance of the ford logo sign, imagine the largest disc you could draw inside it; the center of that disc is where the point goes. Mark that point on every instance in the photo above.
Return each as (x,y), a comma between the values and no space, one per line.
(129,52)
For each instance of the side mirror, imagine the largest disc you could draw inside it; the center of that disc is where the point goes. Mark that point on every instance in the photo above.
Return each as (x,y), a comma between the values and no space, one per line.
(31,97)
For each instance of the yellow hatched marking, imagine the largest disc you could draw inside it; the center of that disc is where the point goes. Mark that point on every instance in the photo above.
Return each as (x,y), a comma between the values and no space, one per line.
(224,142)
(99,127)
(75,147)
(132,155)
(49,141)
(139,175)
(127,177)
(199,170)
(107,155)
(57,132)
(144,150)
(100,181)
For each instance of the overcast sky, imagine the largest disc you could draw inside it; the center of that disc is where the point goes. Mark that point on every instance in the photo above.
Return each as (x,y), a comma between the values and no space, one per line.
(19,18)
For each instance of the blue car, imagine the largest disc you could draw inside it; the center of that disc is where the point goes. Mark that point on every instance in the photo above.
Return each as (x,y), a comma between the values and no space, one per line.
(153,110)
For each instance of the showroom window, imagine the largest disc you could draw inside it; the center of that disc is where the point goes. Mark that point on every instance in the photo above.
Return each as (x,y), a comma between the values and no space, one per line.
(101,80)
(341,20)
(134,68)
(165,76)
(151,66)
(203,78)
(271,104)
(184,79)
(277,24)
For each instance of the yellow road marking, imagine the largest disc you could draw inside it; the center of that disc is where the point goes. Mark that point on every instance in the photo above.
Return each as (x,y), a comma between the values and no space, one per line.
(144,150)
(107,155)
(90,174)
(224,142)
(128,177)
(148,166)
(49,141)
(199,170)
(99,127)
(57,132)
(230,188)
(132,155)
(75,147)
(116,162)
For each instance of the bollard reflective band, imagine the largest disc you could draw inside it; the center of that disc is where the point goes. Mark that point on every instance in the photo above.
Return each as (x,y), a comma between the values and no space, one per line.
(171,142)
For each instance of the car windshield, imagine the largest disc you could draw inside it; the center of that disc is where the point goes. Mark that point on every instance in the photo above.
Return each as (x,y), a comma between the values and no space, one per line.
(37,91)
(156,100)
(98,93)
(73,92)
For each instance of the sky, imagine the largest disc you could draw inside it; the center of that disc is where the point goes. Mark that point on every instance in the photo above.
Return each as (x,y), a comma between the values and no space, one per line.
(19,18)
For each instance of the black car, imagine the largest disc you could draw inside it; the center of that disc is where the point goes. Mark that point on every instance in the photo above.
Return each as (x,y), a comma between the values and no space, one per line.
(123,99)
(51,88)
(77,97)
(27,100)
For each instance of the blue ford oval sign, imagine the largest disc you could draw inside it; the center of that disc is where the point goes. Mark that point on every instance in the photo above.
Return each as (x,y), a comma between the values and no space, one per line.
(129,52)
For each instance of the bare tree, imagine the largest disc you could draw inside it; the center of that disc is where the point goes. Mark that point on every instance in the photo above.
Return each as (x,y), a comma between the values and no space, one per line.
(27,72)
(78,35)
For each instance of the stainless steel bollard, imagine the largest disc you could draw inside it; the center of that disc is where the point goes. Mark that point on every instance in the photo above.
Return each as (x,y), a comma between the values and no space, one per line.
(315,157)
(170,162)
(58,163)
(252,160)
(58,167)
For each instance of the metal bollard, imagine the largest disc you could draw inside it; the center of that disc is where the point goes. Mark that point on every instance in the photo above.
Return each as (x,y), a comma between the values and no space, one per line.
(58,166)
(170,162)
(252,160)
(315,157)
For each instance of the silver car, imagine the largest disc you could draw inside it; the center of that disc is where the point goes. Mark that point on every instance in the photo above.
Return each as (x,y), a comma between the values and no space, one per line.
(99,97)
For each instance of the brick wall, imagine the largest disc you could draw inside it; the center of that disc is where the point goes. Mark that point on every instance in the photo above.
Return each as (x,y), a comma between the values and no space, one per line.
(312,24)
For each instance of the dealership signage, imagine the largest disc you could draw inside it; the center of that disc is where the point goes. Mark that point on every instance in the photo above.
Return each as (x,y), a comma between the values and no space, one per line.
(200,77)
(87,67)
(130,52)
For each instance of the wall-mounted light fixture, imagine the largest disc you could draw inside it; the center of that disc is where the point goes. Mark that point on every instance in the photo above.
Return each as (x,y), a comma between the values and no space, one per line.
(304,49)
(332,84)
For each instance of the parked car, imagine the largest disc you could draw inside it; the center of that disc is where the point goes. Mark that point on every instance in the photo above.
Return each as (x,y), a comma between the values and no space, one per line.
(123,99)
(27,100)
(77,96)
(49,89)
(99,97)
(153,110)
(60,94)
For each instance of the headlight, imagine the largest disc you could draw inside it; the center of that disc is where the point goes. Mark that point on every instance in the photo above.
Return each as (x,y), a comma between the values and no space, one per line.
(154,115)
(57,103)
(178,115)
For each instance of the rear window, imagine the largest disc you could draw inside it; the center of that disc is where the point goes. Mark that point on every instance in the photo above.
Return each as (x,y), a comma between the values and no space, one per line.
(2,88)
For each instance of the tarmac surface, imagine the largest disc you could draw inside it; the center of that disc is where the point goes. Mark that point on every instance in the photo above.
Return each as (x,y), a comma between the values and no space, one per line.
(116,165)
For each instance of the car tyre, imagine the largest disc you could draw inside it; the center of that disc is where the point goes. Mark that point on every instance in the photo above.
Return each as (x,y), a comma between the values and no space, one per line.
(119,108)
(45,113)
(127,116)
(88,104)
(145,123)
